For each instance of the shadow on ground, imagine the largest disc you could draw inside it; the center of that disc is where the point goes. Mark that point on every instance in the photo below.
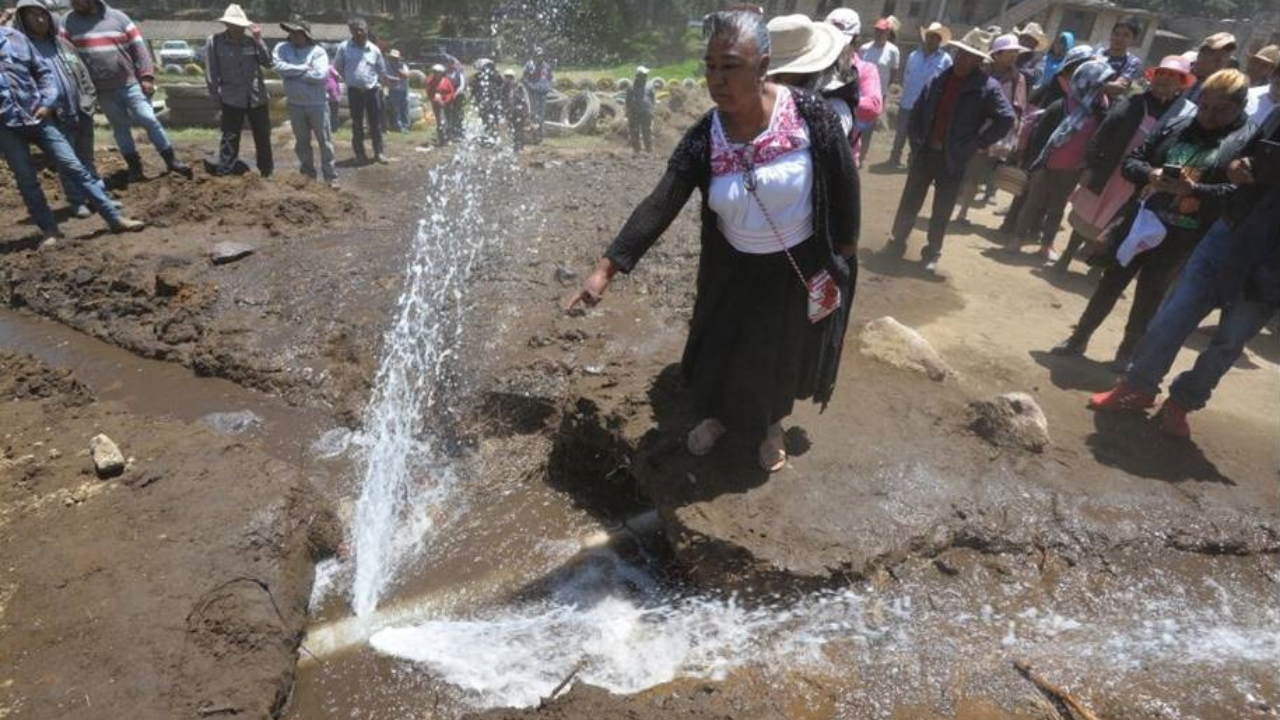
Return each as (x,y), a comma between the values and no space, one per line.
(1133,443)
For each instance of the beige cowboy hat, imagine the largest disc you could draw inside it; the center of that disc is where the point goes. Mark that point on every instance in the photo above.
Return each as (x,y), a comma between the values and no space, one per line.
(938,29)
(235,16)
(976,42)
(802,46)
(394,54)
(1034,30)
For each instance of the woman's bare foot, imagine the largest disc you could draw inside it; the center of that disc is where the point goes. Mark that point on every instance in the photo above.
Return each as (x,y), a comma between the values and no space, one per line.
(704,437)
(773,452)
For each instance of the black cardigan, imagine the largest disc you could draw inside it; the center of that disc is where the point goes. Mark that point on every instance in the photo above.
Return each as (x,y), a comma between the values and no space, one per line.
(1107,148)
(836,195)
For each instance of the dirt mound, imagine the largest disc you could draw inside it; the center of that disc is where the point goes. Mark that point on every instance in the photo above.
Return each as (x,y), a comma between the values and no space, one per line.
(23,377)
(244,201)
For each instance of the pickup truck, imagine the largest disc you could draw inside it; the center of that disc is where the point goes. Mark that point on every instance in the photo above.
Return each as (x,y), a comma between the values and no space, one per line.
(176,52)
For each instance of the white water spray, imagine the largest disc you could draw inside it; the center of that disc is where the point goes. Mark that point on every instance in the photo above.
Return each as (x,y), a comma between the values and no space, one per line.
(408,488)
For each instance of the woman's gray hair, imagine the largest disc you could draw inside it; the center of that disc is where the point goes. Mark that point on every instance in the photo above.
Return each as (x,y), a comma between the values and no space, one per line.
(738,25)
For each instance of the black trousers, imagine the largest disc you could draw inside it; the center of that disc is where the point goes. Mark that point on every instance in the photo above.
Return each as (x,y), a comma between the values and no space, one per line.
(928,169)
(1156,270)
(640,128)
(233,126)
(366,105)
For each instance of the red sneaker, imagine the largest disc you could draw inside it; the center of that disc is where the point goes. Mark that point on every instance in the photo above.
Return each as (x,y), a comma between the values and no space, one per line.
(1121,398)
(1173,420)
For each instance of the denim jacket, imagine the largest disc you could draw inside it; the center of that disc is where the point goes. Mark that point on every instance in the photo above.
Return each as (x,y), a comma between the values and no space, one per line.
(982,116)
(27,83)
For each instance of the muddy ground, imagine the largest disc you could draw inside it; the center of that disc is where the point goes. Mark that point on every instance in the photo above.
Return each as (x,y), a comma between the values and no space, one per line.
(888,487)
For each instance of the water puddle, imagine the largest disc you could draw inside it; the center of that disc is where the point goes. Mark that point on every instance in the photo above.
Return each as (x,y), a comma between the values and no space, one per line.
(162,389)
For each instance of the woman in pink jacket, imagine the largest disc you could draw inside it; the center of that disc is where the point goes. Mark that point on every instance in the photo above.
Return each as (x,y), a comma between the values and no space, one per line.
(861,90)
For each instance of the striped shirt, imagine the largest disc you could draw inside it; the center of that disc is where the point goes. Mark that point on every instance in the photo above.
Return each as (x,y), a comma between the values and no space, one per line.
(110,45)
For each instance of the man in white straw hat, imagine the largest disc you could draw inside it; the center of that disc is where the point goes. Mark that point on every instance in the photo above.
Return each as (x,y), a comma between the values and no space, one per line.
(963,111)
(640,103)
(1031,36)
(1005,51)
(861,92)
(923,65)
(233,72)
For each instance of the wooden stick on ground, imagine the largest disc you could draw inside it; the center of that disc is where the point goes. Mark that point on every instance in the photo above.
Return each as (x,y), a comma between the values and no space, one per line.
(1066,698)
(568,679)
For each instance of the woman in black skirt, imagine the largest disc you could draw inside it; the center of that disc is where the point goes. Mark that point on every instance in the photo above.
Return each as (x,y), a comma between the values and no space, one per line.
(780,221)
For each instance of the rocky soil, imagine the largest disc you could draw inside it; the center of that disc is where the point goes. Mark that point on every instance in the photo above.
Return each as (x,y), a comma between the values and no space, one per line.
(175,588)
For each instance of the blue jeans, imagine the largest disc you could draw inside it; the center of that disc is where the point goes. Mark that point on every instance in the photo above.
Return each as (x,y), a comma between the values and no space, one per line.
(15,144)
(1191,300)
(127,107)
(80,135)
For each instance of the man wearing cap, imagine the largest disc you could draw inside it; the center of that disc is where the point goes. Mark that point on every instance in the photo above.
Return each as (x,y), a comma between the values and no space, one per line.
(440,92)
(885,55)
(28,105)
(1264,99)
(397,79)
(640,102)
(119,62)
(961,112)
(1262,64)
(233,72)
(76,95)
(515,99)
(923,65)
(1214,54)
(304,66)
(362,67)
(538,79)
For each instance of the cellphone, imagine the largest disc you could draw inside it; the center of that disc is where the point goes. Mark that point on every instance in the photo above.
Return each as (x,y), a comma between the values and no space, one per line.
(1171,172)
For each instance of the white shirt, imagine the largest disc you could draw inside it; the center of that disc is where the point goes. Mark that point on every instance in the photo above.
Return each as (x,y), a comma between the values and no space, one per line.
(1260,104)
(784,186)
(886,59)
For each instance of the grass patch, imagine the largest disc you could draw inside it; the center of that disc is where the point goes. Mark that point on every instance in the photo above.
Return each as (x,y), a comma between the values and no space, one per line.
(691,68)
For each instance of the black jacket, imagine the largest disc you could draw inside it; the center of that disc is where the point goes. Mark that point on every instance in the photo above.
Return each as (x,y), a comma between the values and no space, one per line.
(1213,189)
(1107,148)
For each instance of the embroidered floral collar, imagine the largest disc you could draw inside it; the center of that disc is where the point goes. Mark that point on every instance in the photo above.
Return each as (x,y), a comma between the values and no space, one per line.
(786,133)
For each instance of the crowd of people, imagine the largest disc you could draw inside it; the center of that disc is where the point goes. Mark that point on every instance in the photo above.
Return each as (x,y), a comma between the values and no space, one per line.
(1171,175)
(58,70)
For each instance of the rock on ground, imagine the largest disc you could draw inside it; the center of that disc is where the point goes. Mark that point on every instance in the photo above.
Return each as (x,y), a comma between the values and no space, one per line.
(1012,420)
(891,342)
(108,461)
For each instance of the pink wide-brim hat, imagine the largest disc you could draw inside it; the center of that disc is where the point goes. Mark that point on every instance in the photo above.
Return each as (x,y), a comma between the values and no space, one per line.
(1007,42)
(1177,63)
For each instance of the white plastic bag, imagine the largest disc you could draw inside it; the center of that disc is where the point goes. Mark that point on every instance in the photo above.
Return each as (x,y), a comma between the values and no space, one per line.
(1147,233)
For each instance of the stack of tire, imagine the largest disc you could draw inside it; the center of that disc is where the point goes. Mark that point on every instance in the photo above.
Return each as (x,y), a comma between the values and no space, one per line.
(190,105)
